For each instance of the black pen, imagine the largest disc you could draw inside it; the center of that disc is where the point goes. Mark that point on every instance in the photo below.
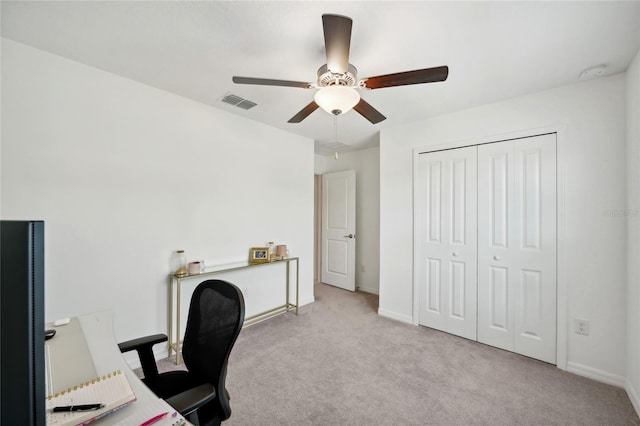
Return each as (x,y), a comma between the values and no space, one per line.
(83,407)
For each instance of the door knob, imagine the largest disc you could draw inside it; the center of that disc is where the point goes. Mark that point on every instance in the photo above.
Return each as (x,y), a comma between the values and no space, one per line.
(496,257)
(349,236)
(455,253)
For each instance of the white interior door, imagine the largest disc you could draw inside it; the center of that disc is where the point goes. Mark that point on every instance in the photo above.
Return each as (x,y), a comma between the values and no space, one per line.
(339,229)
(447,241)
(517,246)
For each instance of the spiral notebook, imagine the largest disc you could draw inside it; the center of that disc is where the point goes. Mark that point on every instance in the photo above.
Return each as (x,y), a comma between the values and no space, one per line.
(113,390)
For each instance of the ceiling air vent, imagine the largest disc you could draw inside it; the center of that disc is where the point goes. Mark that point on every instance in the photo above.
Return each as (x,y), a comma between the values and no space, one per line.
(234,100)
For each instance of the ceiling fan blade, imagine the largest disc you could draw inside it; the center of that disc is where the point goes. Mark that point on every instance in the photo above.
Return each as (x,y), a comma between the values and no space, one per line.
(369,112)
(337,39)
(427,75)
(271,82)
(304,113)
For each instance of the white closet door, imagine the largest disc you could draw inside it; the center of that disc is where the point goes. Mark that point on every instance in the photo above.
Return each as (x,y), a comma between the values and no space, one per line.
(517,246)
(447,240)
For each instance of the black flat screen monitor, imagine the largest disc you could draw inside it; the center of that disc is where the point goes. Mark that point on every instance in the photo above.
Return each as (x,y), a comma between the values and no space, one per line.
(22,375)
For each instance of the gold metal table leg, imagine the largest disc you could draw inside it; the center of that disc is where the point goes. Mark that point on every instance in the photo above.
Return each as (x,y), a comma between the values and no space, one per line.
(170,316)
(286,303)
(177,348)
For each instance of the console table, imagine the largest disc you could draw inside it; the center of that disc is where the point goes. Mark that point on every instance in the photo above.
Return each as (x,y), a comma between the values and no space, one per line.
(175,283)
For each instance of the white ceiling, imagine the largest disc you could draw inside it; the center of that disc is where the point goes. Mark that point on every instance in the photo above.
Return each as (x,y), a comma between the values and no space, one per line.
(494,50)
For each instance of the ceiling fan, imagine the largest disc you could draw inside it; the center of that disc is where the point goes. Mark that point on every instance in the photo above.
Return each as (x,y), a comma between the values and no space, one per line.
(337,79)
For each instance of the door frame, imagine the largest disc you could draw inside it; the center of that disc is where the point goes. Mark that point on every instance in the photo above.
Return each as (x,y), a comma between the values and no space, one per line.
(317,228)
(560,130)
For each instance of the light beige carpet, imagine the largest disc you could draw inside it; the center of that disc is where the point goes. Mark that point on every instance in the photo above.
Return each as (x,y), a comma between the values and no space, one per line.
(339,363)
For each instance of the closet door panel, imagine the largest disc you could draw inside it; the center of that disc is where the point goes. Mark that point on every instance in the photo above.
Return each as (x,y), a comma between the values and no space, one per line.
(430,259)
(522,172)
(457,295)
(530,182)
(495,231)
(535,178)
(499,199)
(434,286)
(433,188)
(447,241)
(499,308)
(458,211)
(530,324)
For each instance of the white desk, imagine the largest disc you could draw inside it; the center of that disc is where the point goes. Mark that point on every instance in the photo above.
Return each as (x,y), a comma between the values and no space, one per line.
(69,358)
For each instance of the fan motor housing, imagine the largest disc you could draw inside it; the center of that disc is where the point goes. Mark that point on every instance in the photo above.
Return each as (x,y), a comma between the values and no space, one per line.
(328,78)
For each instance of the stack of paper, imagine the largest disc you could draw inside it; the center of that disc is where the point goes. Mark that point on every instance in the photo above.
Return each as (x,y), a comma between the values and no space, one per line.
(113,391)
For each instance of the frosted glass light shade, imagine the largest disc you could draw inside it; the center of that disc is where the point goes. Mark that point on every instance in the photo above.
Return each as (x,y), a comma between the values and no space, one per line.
(336,100)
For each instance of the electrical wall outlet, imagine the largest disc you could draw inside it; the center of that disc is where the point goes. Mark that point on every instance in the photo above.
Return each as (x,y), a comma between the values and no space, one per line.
(581,326)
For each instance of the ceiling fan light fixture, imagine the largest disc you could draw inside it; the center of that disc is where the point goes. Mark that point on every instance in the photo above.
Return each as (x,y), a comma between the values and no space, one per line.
(336,100)
(338,79)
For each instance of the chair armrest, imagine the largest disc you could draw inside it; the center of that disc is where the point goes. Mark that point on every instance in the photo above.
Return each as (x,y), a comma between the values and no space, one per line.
(190,400)
(134,344)
(144,347)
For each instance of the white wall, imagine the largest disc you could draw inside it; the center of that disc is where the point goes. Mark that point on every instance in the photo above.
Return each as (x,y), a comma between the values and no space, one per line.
(123,174)
(633,231)
(592,160)
(366,163)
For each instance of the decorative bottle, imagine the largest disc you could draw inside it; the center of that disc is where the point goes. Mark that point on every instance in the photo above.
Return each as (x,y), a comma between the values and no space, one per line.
(179,263)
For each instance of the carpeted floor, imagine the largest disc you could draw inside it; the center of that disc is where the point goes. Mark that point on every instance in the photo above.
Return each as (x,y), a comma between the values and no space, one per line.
(339,363)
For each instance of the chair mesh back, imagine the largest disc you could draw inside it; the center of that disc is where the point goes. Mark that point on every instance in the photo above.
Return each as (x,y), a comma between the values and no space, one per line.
(215,318)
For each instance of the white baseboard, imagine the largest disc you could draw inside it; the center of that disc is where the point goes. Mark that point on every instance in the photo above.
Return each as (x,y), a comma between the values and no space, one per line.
(131,358)
(596,374)
(366,289)
(159,351)
(608,378)
(307,301)
(395,316)
(633,396)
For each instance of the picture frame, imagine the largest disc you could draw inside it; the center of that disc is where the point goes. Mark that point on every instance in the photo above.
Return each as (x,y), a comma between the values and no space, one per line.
(259,255)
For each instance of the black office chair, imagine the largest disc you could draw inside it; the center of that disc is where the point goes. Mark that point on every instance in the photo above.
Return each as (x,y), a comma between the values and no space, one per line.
(215,318)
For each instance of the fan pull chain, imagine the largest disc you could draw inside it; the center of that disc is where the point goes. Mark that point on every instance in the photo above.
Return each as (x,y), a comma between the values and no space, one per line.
(335,134)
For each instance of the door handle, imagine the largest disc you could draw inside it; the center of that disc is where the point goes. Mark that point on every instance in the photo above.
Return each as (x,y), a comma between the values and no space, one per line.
(496,257)
(350,236)
(455,253)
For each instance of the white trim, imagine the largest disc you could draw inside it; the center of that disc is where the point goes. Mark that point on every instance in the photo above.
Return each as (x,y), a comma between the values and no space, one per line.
(633,396)
(317,228)
(131,358)
(395,316)
(596,374)
(307,301)
(415,320)
(366,289)
(562,299)
(560,130)
(499,137)
(159,352)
